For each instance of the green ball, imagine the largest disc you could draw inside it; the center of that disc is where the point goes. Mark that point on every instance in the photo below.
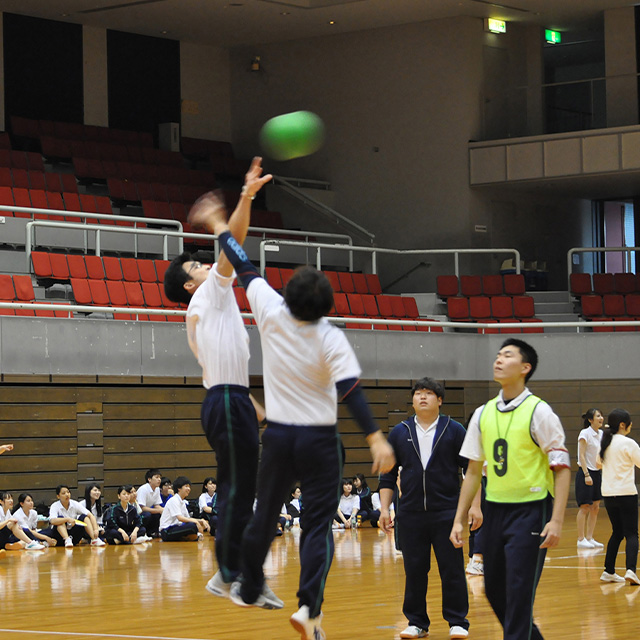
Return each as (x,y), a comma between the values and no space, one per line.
(292,135)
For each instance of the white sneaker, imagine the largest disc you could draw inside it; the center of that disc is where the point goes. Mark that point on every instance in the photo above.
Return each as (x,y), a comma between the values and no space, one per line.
(414,632)
(140,540)
(596,544)
(458,632)
(265,600)
(218,587)
(308,628)
(337,525)
(34,546)
(585,544)
(98,542)
(612,577)
(68,542)
(475,568)
(631,577)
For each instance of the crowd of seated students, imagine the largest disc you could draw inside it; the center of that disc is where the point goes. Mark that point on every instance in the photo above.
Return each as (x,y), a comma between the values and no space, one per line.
(140,515)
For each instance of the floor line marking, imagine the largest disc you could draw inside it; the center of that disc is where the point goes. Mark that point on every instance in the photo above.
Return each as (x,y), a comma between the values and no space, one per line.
(99,635)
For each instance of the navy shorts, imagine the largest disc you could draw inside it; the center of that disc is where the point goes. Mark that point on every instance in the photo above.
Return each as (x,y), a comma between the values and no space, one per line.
(586,494)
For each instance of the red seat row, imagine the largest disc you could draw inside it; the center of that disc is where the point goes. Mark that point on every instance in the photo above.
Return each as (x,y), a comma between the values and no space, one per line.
(38,199)
(30,179)
(21,159)
(603,283)
(5,141)
(611,304)
(199,148)
(62,267)
(512,284)
(341,281)
(19,288)
(30,128)
(482,308)
(163,191)
(116,293)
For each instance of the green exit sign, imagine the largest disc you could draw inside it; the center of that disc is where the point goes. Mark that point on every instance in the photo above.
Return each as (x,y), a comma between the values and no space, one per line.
(552,37)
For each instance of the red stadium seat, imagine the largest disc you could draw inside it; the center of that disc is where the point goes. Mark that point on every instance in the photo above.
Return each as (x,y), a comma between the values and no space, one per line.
(613,305)
(591,306)
(510,329)
(492,285)
(458,308)
(410,307)
(7,291)
(370,306)
(624,283)
(273,277)
(117,294)
(346,282)
(133,291)
(397,307)
(59,266)
(373,282)
(95,268)
(523,307)
(41,264)
(147,271)
(447,286)
(112,268)
(151,293)
(385,306)
(161,267)
(99,292)
(602,283)
(130,270)
(532,329)
(81,291)
(356,304)
(241,299)
(479,307)
(341,305)
(332,277)
(360,283)
(514,284)
(24,288)
(632,304)
(470,286)
(286,275)
(501,307)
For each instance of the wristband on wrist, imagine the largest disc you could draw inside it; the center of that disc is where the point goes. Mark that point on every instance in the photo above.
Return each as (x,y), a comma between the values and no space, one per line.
(245,192)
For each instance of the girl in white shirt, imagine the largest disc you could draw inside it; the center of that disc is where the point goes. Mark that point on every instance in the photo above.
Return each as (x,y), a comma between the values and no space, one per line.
(348,507)
(12,537)
(27,518)
(93,502)
(589,479)
(619,456)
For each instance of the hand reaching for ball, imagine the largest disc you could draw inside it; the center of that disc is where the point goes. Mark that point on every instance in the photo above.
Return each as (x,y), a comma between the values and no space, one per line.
(207,212)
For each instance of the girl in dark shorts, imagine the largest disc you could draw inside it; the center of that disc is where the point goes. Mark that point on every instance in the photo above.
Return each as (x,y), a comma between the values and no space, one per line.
(589,479)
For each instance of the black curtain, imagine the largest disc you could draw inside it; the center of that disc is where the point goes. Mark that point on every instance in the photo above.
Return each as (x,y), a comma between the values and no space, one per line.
(43,69)
(144,81)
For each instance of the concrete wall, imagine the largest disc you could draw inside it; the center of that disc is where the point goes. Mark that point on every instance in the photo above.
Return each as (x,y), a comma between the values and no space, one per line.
(96,96)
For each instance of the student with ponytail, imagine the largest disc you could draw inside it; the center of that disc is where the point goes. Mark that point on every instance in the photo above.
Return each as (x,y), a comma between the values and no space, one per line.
(589,478)
(619,455)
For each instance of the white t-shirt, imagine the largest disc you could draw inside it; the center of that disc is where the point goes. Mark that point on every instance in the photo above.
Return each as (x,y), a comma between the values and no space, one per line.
(546,431)
(4,516)
(348,504)
(205,500)
(426,434)
(375,502)
(57,510)
(94,510)
(302,361)
(27,521)
(175,507)
(592,439)
(148,497)
(618,467)
(221,338)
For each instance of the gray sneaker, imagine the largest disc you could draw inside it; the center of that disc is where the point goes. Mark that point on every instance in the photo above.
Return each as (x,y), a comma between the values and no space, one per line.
(218,587)
(266,600)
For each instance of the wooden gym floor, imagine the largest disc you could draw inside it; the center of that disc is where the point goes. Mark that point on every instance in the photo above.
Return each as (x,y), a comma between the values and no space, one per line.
(156,591)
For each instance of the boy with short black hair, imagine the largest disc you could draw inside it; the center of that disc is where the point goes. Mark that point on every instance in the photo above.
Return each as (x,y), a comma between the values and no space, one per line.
(150,501)
(176,523)
(528,466)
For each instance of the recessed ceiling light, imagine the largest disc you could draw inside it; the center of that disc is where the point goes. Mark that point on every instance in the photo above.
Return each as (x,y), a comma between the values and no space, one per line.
(164,32)
(332,22)
(285,13)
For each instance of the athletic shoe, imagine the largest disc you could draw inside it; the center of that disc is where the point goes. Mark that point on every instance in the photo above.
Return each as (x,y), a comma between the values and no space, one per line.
(98,542)
(308,628)
(611,577)
(68,542)
(337,525)
(631,577)
(585,544)
(596,544)
(266,600)
(140,540)
(218,587)
(458,632)
(475,568)
(200,536)
(414,632)
(36,546)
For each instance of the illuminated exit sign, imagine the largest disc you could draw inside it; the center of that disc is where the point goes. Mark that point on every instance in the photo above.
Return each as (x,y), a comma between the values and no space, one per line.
(495,26)
(552,37)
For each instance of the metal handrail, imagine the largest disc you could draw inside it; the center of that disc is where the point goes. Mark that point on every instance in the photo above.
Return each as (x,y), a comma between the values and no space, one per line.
(374,251)
(333,319)
(574,250)
(99,216)
(322,208)
(30,234)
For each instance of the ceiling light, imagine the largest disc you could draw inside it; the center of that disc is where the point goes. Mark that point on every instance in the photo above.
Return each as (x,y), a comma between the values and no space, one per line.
(331,22)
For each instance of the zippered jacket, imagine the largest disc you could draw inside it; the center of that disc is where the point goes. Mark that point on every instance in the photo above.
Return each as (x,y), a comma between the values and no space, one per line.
(437,487)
